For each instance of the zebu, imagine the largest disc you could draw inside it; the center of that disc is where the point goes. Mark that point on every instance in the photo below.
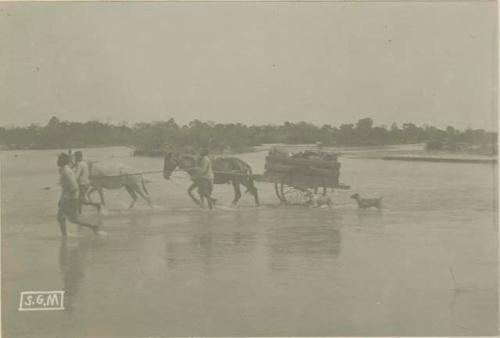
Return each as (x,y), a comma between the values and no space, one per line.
(112,175)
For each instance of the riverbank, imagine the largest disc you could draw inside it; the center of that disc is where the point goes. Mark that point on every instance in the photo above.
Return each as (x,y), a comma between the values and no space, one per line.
(409,152)
(440,159)
(141,152)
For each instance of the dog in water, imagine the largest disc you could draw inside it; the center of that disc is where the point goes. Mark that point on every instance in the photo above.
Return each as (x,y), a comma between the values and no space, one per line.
(365,203)
(317,200)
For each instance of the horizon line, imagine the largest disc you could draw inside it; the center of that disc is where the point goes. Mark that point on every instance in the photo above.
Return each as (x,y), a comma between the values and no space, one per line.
(129,124)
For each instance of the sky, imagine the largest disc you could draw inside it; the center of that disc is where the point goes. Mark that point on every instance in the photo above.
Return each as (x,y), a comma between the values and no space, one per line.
(254,62)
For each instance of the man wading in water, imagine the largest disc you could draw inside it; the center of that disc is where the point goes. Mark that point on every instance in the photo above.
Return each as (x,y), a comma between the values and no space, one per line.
(205,178)
(69,202)
(81,169)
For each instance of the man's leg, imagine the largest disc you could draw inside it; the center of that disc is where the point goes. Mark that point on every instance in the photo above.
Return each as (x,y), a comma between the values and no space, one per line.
(71,211)
(81,197)
(200,193)
(84,200)
(190,193)
(210,188)
(61,218)
(205,191)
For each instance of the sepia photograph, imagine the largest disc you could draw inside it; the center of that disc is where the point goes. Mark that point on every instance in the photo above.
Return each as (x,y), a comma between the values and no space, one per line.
(249,168)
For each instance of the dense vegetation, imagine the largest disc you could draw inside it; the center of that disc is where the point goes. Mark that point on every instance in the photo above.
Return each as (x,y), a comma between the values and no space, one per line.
(151,138)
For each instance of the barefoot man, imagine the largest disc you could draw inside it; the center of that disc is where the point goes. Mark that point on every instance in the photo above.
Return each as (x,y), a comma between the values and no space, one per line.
(68,202)
(81,170)
(205,178)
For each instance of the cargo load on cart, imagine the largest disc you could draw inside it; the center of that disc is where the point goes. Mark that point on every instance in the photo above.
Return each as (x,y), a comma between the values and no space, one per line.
(295,174)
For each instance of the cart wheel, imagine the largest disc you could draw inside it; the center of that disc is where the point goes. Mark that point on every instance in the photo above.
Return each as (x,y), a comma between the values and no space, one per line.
(325,190)
(293,195)
(278,192)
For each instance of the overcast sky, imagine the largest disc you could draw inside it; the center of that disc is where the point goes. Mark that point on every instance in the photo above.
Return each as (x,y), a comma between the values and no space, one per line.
(255,63)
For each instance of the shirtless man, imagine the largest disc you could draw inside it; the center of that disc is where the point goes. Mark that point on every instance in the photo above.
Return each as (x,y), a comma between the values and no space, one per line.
(204,178)
(68,202)
(82,174)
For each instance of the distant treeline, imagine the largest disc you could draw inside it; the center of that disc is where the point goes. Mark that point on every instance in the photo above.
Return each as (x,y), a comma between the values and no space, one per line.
(151,138)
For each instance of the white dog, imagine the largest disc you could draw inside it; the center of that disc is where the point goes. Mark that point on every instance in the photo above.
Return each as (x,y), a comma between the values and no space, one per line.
(317,200)
(365,203)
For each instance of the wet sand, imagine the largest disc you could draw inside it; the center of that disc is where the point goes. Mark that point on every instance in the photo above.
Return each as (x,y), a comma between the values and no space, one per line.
(425,265)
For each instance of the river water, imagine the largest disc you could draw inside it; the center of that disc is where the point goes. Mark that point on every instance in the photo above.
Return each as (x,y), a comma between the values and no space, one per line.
(427,264)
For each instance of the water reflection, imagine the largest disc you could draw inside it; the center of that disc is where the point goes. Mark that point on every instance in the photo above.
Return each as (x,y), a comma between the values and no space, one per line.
(217,239)
(71,264)
(306,240)
(369,217)
(73,256)
(139,220)
(298,243)
(203,246)
(212,238)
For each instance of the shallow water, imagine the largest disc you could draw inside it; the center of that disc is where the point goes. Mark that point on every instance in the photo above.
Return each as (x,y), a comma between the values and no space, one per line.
(425,265)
